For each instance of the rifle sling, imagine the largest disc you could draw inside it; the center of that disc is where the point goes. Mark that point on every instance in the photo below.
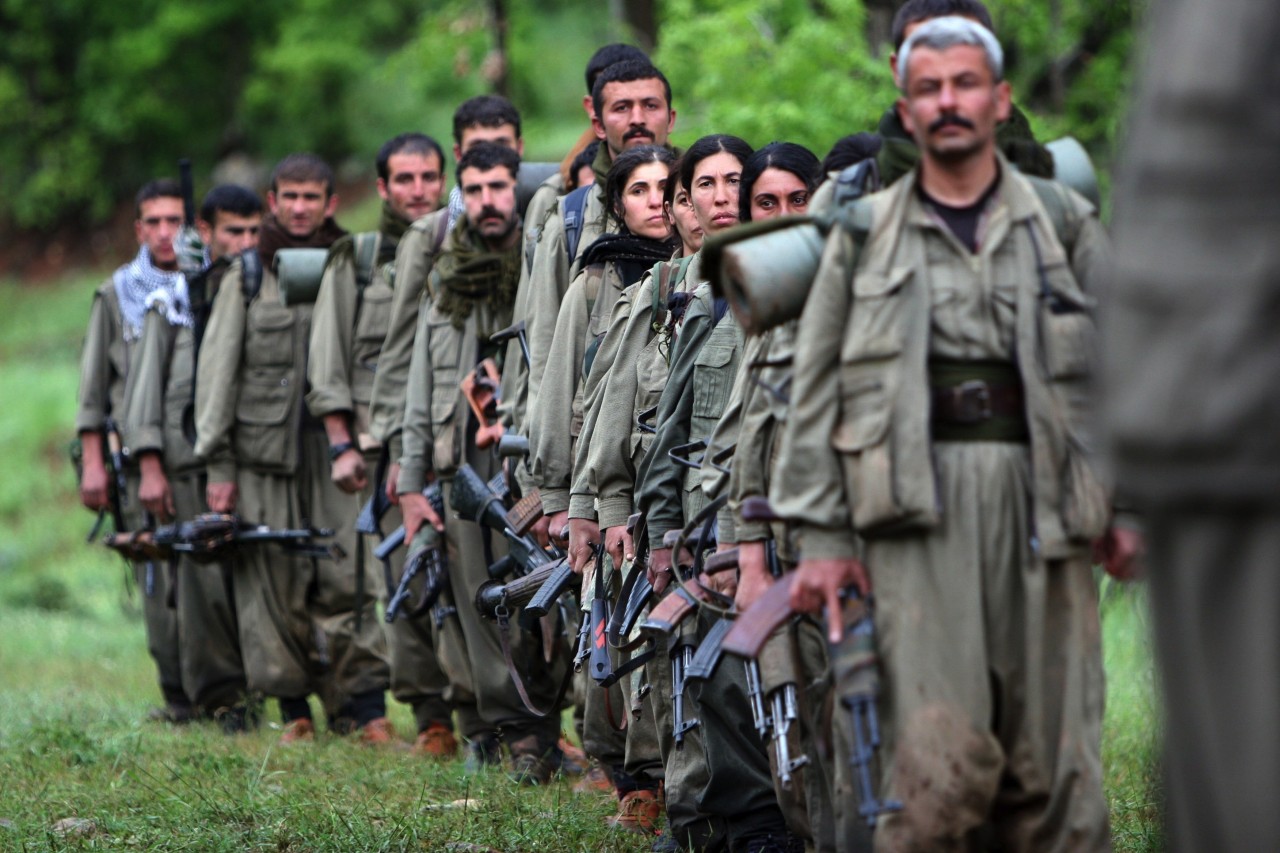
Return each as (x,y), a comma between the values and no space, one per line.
(504,637)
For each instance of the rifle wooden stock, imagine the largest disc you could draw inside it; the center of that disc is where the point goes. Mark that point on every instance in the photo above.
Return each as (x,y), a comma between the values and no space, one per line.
(673,609)
(521,590)
(721,561)
(480,387)
(139,545)
(526,513)
(752,629)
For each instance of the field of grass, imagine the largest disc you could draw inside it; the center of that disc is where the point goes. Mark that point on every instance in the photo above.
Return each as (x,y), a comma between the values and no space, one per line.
(80,769)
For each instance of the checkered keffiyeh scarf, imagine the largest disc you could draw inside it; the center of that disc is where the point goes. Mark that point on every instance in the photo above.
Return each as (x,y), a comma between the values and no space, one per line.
(139,286)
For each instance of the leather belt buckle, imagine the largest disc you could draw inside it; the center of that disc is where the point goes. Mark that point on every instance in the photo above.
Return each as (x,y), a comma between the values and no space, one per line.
(972,402)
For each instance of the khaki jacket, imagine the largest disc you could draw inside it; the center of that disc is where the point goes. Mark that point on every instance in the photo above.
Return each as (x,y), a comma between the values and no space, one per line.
(606,467)
(541,294)
(349,326)
(414,257)
(436,415)
(158,394)
(555,425)
(856,450)
(704,364)
(105,360)
(250,378)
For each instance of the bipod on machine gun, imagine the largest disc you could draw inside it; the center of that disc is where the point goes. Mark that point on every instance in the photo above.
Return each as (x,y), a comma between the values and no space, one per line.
(212,536)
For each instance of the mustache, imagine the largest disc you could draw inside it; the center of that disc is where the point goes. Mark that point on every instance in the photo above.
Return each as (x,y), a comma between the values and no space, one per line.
(637,132)
(950,119)
(491,213)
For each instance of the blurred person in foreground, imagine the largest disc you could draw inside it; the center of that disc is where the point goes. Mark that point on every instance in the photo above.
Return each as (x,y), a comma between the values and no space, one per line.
(1190,361)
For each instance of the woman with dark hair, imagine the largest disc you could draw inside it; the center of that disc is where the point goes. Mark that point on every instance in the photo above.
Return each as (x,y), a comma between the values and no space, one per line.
(778,180)
(774,181)
(751,425)
(627,378)
(679,212)
(638,237)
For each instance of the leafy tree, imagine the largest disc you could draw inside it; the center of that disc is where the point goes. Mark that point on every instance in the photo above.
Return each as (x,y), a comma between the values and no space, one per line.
(797,70)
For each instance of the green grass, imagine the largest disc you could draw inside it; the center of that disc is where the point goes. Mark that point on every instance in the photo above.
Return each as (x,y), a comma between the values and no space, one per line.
(76,682)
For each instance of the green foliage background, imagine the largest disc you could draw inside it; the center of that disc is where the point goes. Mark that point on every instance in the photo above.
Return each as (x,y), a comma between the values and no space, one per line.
(97,97)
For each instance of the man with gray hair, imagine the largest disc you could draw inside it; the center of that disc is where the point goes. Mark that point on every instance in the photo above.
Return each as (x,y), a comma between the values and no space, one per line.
(933,456)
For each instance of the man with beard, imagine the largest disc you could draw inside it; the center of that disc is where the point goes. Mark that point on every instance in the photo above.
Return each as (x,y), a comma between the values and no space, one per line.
(352,314)
(470,296)
(158,396)
(115,326)
(935,455)
(632,102)
(306,625)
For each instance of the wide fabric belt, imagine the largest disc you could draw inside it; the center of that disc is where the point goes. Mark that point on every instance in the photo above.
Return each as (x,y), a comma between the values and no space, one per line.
(977,401)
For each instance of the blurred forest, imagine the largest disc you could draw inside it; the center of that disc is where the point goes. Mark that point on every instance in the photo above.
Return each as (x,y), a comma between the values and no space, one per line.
(98,97)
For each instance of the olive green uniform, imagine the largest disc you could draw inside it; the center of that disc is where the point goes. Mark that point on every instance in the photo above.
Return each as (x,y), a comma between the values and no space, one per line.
(105,361)
(415,256)
(438,437)
(986,606)
(306,625)
(733,781)
(157,399)
(797,654)
(542,290)
(349,326)
(1189,358)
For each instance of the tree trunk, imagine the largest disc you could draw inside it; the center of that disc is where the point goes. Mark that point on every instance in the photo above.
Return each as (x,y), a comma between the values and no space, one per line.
(495,66)
(879,26)
(1057,59)
(640,18)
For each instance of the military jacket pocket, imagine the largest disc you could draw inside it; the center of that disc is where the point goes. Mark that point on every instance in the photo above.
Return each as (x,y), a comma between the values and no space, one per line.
(269,335)
(370,333)
(712,380)
(863,439)
(446,398)
(263,427)
(877,323)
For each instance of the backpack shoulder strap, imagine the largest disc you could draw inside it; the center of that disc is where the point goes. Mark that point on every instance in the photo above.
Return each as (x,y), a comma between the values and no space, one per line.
(1057,204)
(366,257)
(250,274)
(574,206)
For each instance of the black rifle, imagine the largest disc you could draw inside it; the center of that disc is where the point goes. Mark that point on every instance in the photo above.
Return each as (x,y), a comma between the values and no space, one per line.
(211,536)
(854,666)
(430,561)
(478,501)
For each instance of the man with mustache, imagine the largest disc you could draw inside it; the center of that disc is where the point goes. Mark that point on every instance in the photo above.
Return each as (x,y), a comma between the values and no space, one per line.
(935,456)
(632,102)
(469,295)
(898,152)
(352,315)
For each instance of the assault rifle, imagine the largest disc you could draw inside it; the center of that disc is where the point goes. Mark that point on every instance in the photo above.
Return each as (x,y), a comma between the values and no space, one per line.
(854,665)
(428,559)
(211,536)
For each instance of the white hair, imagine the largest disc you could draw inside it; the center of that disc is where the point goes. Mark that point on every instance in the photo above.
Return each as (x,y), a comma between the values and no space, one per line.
(951,31)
